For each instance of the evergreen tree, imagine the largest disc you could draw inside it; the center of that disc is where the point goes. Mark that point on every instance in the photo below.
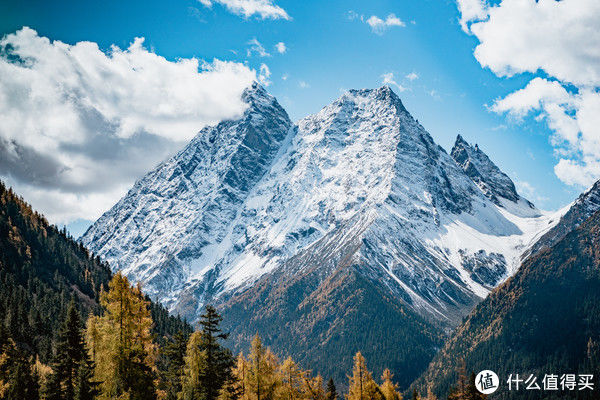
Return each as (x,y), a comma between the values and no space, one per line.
(331,390)
(235,387)
(70,355)
(174,355)
(23,382)
(53,389)
(85,387)
(388,388)
(361,385)
(208,363)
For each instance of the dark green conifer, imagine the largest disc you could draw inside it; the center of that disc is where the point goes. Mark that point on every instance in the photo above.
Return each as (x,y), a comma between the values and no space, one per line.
(174,354)
(208,362)
(331,390)
(71,356)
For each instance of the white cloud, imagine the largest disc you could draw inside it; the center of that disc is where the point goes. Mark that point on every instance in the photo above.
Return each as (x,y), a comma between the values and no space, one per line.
(79,125)
(303,85)
(285,77)
(265,9)
(471,10)
(388,79)
(264,74)
(280,47)
(412,76)
(559,37)
(379,26)
(256,48)
(559,40)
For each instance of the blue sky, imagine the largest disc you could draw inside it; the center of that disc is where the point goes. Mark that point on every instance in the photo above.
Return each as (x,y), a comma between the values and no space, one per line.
(329,48)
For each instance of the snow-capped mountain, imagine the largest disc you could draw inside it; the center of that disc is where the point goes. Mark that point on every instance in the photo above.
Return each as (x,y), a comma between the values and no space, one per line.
(359,183)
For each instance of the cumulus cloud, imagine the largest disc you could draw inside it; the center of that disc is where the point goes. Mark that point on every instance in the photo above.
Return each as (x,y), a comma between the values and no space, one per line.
(471,10)
(560,42)
(264,9)
(378,25)
(280,47)
(79,125)
(257,48)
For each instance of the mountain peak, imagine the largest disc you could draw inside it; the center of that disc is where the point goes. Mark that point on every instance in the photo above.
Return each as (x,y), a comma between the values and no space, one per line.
(384,95)
(257,97)
(494,183)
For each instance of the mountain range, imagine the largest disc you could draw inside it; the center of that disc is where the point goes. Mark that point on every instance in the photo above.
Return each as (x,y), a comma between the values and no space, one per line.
(348,230)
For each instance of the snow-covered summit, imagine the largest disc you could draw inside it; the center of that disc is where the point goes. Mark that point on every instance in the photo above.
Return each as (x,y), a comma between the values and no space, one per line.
(360,183)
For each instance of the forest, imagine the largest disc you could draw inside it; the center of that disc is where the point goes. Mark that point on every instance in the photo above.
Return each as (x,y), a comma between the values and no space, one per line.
(114,355)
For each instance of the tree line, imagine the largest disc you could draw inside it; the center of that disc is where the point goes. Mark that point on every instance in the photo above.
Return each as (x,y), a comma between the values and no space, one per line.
(41,268)
(114,356)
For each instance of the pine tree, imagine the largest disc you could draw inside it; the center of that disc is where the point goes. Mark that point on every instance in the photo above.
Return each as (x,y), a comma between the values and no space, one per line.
(85,386)
(121,344)
(331,390)
(235,387)
(361,383)
(292,380)
(18,377)
(313,388)
(262,378)
(174,355)
(23,382)
(465,388)
(194,361)
(70,355)
(208,363)
(53,389)
(388,388)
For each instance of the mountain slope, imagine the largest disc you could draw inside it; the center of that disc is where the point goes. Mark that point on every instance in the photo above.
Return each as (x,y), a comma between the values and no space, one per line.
(245,197)
(323,323)
(545,319)
(176,213)
(41,268)
(574,215)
